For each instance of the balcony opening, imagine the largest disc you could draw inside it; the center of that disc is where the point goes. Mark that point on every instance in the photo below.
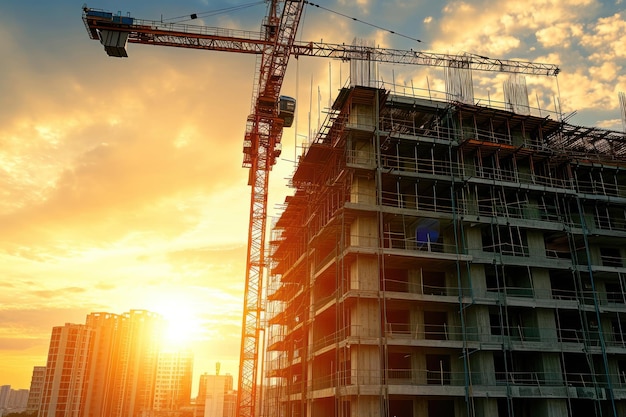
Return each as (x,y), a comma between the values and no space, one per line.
(399,364)
(438,369)
(614,293)
(499,367)
(569,327)
(440,408)
(611,257)
(400,408)
(496,324)
(398,322)
(562,284)
(434,282)
(396,280)
(582,408)
(436,325)
(577,370)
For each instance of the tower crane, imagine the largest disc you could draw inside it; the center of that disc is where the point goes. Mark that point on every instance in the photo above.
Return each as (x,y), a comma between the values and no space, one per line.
(274,44)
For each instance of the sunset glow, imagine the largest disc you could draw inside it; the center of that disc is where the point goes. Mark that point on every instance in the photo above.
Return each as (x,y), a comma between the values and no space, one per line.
(121,179)
(182,324)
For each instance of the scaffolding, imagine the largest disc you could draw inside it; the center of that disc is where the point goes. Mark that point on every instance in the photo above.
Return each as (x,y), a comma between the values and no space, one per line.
(440,258)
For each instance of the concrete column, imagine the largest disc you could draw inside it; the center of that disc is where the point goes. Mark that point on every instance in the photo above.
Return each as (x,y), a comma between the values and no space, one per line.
(476,280)
(474,240)
(546,324)
(364,274)
(365,406)
(415,281)
(482,370)
(418,365)
(486,407)
(420,407)
(363,191)
(477,324)
(536,244)
(364,232)
(541,283)
(552,408)
(417,324)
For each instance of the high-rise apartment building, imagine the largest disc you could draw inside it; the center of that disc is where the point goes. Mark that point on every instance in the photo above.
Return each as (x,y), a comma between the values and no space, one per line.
(64,383)
(106,367)
(36,388)
(173,380)
(444,259)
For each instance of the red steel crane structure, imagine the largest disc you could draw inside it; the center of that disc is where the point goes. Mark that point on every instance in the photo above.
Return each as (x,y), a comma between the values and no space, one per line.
(274,44)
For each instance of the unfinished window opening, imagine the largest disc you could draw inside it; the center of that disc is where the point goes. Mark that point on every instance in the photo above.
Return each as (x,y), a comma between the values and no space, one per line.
(428,235)
(569,326)
(400,408)
(394,237)
(440,408)
(557,245)
(436,325)
(499,367)
(485,200)
(582,408)
(614,293)
(518,281)
(621,369)
(611,257)
(398,322)
(396,280)
(494,279)
(434,282)
(503,407)
(524,367)
(438,369)
(399,365)
(508,169)
(576,370)
(618,329)
(506,240)
(563,285)
(496,325)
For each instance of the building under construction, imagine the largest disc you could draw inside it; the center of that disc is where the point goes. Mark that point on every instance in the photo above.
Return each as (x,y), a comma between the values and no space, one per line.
(445,259)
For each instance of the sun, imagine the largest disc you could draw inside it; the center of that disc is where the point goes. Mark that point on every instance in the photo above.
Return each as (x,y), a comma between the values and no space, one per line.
(182,324)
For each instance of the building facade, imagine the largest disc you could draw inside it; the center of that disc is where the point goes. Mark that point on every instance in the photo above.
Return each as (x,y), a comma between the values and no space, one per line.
(216,397)
(106,367)
(64,382)
(173,381)
(446,259)
(36,388)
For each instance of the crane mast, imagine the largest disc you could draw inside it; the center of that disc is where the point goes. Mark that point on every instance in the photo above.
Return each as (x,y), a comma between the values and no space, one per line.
(263,134)
(273,45)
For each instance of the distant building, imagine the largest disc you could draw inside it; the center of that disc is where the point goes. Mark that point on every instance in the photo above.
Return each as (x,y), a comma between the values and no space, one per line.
(18,399)
(4,395)
(215,398)
(109,367)
(12,400)
(36,388)
(123,360)
(173,380)
(64,383)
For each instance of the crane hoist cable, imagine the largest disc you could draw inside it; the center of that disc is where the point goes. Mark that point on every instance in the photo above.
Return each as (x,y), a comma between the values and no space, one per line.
(361,21)
(211,13)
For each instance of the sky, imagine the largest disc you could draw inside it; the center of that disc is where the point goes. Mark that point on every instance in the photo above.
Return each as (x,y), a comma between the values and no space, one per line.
(120,179)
